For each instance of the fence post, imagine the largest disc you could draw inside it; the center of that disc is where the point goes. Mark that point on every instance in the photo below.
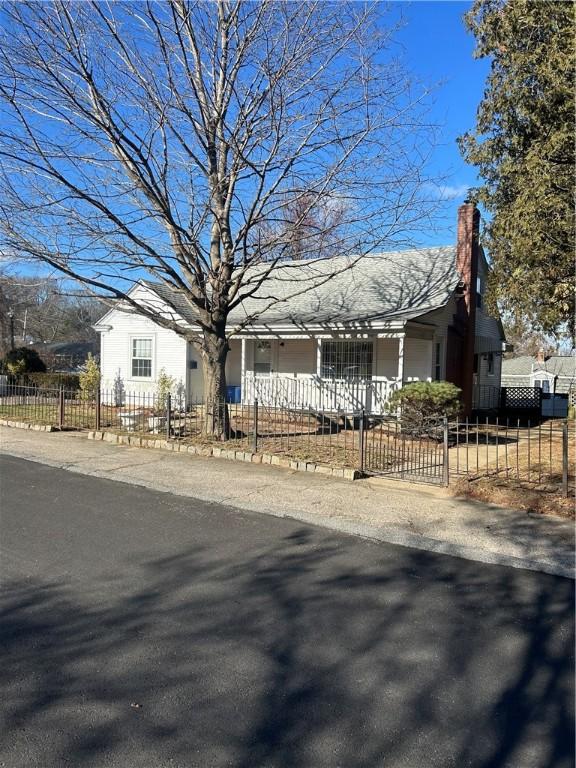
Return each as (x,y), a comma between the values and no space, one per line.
(255,445)
(445,457)
(565,459)
(61,407)
(97,414)
(168,415)
(361,458)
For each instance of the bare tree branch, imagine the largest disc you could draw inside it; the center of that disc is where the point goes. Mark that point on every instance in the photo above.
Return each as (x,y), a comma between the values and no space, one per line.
(176,140)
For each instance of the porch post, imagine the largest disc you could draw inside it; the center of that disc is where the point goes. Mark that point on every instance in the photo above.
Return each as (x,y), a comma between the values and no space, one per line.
(243,358)
(243,370)
(401,358)
(431,348)
(319,358)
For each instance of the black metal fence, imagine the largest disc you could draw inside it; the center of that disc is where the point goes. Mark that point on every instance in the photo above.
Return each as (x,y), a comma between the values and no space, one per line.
(299,433)
(540,453)
(432,450)
(407,450)
(62,408)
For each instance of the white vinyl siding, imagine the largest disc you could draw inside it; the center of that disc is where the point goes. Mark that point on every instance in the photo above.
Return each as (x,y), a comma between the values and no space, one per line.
(386,358)
(297,356)
(234,363)
(417,360)
(168,352)
(484,377)
(441,318)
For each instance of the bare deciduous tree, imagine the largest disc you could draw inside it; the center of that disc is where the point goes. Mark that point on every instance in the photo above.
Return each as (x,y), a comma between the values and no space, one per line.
(43,311)
(163,138)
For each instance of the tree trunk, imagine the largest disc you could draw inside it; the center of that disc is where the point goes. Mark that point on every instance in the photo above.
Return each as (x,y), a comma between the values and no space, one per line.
(214,353)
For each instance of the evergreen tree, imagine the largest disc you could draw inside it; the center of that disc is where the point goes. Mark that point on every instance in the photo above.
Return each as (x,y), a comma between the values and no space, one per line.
(523,146)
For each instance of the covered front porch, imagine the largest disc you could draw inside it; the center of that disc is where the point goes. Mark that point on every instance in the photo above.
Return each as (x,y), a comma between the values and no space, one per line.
(347,373)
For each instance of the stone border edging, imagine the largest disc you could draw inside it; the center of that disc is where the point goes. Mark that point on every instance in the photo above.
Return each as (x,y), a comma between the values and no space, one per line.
(223,453)
(27,425)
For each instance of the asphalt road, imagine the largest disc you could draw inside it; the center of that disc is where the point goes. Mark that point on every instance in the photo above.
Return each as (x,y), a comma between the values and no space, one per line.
(140,629)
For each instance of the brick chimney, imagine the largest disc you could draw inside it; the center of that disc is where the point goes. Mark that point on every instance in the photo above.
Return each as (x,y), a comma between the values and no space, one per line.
(467,251)
(540,357)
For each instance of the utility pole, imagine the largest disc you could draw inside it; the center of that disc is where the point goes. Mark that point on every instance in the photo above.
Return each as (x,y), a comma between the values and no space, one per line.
(11,316)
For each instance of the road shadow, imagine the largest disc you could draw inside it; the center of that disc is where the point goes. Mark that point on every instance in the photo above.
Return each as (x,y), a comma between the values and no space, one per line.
(305,651)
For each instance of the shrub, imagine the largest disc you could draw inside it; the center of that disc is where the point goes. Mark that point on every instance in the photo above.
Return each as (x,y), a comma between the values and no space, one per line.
(423,402)
(118,389)
(23,360)
(164,387)
(43,381)
(89,379)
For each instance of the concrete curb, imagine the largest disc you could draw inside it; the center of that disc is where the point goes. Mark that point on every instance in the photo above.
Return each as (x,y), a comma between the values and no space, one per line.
(27,425)
(426,543)
(540,557)
(376,533)
(248,457)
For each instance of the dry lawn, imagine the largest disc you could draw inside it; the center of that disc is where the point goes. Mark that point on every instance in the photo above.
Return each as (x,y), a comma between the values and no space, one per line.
(517,495)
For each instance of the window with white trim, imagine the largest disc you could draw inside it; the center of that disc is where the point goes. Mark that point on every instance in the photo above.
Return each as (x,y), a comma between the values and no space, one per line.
(543,384)
(142,358)
(543,381)
(347,359)
(263,357)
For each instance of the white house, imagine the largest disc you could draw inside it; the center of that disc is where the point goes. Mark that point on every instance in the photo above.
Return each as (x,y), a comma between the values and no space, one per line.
(555,374)
(347,343)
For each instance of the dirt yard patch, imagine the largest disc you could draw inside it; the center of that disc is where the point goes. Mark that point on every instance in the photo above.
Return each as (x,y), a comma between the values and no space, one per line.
(545,500)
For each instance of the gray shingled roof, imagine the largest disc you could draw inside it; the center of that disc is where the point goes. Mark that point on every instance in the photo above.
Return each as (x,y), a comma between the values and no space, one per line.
(386,286)
(559,365)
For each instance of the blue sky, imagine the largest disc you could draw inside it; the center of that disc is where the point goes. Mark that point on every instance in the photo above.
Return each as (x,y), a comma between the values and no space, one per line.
(439,50)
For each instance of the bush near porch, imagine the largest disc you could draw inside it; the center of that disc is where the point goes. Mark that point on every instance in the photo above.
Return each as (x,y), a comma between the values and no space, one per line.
(421,401)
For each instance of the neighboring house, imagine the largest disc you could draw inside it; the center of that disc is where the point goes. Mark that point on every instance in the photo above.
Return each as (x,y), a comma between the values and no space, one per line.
(346,344)
(66,356)
(555,374)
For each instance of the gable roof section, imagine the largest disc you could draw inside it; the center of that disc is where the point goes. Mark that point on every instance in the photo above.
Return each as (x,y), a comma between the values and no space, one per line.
(386,287)
(559,365)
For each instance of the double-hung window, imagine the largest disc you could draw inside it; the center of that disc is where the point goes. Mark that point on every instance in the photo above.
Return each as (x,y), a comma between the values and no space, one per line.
(543,382)
(142,358)
(263,357)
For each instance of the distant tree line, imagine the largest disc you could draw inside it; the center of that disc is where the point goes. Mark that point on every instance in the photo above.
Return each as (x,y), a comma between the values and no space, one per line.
(43,312)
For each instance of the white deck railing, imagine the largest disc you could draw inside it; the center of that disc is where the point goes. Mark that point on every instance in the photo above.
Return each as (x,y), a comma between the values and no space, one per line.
(285,391)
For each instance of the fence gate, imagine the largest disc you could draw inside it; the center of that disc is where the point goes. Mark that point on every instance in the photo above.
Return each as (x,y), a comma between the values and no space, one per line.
(413,451)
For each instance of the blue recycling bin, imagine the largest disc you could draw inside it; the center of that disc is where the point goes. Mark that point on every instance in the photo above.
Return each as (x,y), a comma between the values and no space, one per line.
(233,394)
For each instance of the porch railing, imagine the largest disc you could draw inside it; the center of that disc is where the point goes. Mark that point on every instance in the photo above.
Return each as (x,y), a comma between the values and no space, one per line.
(284,391)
